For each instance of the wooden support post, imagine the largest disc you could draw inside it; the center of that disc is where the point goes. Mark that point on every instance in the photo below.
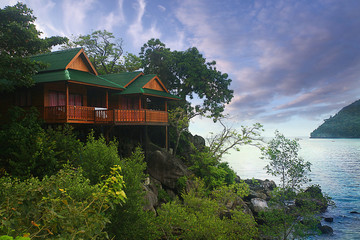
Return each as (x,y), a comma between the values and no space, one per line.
(166,138)
(67,101)
(165,106)
(140,107)
(107,99)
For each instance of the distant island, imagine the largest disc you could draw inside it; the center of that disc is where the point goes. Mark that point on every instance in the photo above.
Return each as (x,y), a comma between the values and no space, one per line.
(345,124)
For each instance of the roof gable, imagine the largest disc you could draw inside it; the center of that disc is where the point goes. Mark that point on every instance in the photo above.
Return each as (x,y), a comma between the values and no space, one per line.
(82,63)
(155,84)
(74,58)
(148,84)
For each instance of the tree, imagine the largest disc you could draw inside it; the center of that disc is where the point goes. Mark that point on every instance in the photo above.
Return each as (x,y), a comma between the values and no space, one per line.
(286,163)
(285,220)
(179,119)
(230,138)
(187,74)
(20,39)
(106,52)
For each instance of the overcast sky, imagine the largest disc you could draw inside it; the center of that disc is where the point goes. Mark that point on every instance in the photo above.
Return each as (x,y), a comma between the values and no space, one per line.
(292,63)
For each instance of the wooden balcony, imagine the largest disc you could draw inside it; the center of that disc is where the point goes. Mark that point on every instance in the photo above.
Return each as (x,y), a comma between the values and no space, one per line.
(81,114)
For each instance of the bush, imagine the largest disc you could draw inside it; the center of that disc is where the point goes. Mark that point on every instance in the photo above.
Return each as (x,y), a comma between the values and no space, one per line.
(25,149)
(63,206)
(97,157)
(213,172)
(198,217)
(130,221)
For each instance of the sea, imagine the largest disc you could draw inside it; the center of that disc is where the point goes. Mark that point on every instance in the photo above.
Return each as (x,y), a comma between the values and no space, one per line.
(335,167)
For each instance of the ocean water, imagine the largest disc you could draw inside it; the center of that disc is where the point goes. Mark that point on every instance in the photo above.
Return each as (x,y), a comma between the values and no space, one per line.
(335,167)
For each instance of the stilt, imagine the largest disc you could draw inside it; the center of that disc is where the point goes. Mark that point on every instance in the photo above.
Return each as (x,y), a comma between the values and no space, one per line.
(166,138)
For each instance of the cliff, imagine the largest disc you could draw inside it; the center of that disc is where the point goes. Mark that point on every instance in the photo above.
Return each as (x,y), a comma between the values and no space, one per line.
(345,124)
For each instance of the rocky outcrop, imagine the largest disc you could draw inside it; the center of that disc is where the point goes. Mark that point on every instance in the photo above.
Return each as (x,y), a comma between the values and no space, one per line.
(258,205)
(259,193)
(312,195)
(165,168)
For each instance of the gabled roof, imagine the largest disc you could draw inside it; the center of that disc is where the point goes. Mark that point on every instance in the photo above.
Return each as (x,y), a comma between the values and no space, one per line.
(137,87)
(64,59)
(77,76)
(123,79)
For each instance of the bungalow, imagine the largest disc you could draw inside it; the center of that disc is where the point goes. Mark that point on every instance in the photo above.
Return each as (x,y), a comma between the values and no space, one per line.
(70,91)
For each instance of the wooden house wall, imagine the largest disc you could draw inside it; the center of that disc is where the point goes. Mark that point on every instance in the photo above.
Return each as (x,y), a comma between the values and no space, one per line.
(114,101)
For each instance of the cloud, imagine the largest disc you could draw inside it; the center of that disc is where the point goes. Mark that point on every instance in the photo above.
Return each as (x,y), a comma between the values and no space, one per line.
(306,60)
(76,18)
(161,8)
(137,31)
(115,18)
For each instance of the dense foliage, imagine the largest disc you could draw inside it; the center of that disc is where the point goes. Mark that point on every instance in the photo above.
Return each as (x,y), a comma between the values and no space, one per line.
(345,124)
(20,39)
(106,52)
(188,75)
(198,216)
(63,206)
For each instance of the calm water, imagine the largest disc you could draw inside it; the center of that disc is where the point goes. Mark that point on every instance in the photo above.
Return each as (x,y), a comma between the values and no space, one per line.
(335,167)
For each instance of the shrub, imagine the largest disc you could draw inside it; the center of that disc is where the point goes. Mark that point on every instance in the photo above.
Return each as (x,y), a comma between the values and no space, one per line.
(96,158)
(63,206)
(130,221)
(25,149)
(198,217)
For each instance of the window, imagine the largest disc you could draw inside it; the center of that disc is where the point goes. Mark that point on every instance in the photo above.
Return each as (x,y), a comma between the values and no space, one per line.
(75,100)
(57,98)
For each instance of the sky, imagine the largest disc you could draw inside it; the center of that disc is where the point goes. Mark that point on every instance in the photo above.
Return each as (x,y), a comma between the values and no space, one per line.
(293,63)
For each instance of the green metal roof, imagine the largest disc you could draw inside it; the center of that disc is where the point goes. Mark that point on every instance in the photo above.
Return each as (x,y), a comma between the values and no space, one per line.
(75,75)
(148,91)
(136,87)
(57,60)
(121,78)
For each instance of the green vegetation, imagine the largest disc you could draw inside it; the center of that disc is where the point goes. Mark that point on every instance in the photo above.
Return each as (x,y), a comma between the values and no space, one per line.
(106,52)
(198,215)
(345,124)
(20,39)
(181,71)
(285,219)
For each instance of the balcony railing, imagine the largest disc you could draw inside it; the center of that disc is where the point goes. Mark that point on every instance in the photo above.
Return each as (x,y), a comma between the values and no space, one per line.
(81,114)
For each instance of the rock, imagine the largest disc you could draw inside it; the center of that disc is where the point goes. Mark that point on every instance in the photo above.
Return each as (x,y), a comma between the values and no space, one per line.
(258,205)
(354,212)
(151,200)
(326,229)
(312,194)
(254,194)
(328,219)
(259,188)
(257,184)
(165,168)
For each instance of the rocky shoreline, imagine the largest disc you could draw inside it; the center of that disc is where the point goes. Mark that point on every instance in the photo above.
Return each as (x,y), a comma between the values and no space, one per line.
(164,171)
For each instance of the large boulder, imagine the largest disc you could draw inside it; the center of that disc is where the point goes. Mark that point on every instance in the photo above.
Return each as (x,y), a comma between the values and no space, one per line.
(312,196)
(165,168)
(259,189)
(258,205)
